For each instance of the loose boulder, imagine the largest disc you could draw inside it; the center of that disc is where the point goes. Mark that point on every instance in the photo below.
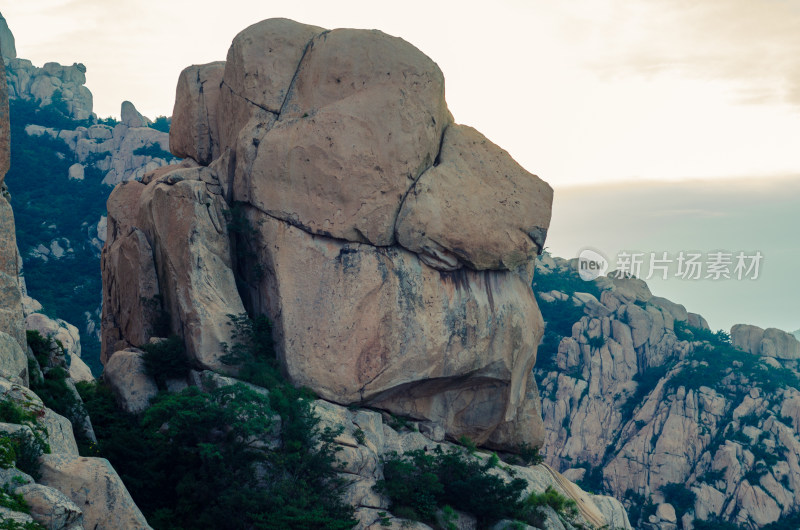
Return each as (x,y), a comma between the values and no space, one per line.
(94,486)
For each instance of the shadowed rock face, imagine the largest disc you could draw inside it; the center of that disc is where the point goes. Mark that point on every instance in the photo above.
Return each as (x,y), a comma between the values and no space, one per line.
(391,248)
(14,363)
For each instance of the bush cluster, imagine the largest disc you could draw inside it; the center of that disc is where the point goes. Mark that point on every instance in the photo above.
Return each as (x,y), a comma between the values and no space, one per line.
(195,458)
(22,448)
(425,485)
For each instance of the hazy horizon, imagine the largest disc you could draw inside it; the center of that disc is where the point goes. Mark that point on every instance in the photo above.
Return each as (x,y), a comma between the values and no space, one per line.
(695,215)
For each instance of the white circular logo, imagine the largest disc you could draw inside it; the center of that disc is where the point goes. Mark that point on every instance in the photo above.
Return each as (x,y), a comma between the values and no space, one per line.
(591,264)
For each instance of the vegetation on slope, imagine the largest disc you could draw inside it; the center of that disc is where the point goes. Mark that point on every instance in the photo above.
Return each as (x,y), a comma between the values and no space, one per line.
(712,362)
(49,205)
(195,458)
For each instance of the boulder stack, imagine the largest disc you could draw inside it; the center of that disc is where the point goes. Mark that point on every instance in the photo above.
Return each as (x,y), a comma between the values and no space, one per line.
(326,186)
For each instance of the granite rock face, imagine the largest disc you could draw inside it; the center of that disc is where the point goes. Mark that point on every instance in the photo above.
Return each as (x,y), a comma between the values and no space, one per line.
(770,342)
(94,486)
(52,83)
(366,439)
(307,146)
(121,153)
(11,317)
(7,44)
(639,398)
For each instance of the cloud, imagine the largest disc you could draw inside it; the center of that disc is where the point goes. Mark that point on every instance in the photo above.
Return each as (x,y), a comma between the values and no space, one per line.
(754,45)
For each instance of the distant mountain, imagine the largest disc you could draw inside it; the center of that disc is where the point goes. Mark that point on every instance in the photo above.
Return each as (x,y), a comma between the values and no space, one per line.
(64,164)
(642,401)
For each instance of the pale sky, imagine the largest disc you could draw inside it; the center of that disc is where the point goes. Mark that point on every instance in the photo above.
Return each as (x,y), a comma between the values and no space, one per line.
(584,91)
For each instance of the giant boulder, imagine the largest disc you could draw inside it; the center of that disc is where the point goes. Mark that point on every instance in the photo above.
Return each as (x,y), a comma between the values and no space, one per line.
(313,146)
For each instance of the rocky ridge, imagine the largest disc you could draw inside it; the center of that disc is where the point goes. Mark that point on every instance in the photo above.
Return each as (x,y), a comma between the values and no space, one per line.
(124,151)
(642,401)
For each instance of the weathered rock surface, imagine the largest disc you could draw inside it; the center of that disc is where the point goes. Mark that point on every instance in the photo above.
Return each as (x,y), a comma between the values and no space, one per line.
(131,117)
(770,342)
(11,318)
(363,469)
(51,508)
(7,45)
(60,436)
(476,206)
(125,375)
(5,133)
(640,408)
(194,130)
(185,220)
(310,147)
(389,331)
(362,121)
(51,83)
(94,486)
(13,361)
(131,296)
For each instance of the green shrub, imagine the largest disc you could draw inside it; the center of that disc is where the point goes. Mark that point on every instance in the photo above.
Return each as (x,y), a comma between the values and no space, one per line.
(360,436)
(559,316)
(165,359)
(28,447)
(161,123)
(640,508)
(193,458)
(10,524)
(13,501)
(565,280)
(154,151)
(711,476)
(596,342)
(419,484)
(24,447)
(789,521)
(593,480)
(680,497)
(11,412)
(563,506)
(468,444)
(43,348)
(8,454)
(526,455)
(718,524)
(57,395)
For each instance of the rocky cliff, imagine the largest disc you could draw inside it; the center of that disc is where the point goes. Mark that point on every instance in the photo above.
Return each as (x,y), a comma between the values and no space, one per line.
(326,186)
(642,401)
